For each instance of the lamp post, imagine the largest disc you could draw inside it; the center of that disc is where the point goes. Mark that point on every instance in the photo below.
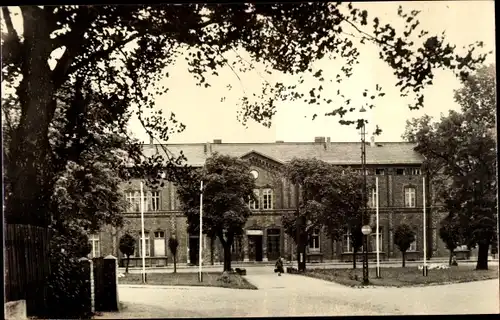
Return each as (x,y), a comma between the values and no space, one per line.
(366,229)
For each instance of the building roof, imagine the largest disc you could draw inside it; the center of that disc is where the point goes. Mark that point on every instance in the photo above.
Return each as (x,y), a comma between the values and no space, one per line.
(341,153)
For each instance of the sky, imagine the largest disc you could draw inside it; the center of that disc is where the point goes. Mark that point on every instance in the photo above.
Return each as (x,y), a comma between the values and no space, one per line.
(207,118)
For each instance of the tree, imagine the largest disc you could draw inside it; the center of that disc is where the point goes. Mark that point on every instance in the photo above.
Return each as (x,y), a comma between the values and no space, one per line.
(173,244)
(227,189)
(84,247)
(403,237)
(127,248)
(463,145)
(450,233)
(331,197)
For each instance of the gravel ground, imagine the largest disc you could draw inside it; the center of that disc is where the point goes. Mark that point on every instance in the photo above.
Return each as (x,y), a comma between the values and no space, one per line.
(294,295)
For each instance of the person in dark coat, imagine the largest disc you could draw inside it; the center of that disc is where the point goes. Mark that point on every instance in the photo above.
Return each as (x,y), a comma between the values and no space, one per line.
(279,267)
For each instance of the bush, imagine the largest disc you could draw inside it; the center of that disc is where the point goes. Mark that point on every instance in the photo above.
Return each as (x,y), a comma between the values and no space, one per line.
(68,285)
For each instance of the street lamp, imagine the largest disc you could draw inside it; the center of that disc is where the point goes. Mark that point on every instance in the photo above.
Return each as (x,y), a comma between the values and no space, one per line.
(366,229)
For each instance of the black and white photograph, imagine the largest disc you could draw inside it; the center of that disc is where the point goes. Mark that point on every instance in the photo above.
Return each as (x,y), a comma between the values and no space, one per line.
(217,159)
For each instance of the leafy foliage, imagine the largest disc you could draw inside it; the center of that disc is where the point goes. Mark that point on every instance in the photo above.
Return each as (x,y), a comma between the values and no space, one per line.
(331,198)
(127,247)
(127,244)
(449,232)
(403,237)
(463,146)
(227,188)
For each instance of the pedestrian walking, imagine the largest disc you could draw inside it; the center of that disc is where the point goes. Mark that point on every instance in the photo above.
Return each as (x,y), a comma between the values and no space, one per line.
(279,266)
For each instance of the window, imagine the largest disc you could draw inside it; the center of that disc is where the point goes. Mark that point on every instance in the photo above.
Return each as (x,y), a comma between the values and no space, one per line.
(148,246)
(159,234)
(314,240)
(134,201)
(372,201)
(413,245)
(379,172)
(412,171)
(410,195)
(153,202)
(346,242)
(267,199)
(400,172)
(254,205)
(373,241)
(95,246)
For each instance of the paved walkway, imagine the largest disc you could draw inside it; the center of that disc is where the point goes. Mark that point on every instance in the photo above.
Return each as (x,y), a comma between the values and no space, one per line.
(295,295)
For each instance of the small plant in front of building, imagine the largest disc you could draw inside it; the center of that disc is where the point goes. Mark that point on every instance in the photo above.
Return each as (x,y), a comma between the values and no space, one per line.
(450,234)
(127,247)
(403,237)
(173,243)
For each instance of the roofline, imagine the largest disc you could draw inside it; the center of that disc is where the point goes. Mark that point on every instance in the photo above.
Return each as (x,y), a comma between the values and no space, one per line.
(277,143)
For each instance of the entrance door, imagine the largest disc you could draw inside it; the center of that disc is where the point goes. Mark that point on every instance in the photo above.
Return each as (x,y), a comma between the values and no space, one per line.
(273,244)
(194,246)
(255,247)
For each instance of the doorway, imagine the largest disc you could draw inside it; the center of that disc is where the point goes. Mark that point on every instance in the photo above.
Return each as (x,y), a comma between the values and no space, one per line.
(273,244)
(255,247)
(194,246)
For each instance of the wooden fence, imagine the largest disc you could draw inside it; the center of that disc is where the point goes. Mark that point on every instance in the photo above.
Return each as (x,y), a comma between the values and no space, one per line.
(27,265)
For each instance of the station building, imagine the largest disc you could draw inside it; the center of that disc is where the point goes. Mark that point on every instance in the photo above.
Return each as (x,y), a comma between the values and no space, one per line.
(396,164)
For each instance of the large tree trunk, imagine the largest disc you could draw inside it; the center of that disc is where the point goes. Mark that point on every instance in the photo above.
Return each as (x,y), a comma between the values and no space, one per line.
(482,256)
(404,258)
(451,256)
(354,253)
(127,264)
(226,244)
(227,258)
(29,171)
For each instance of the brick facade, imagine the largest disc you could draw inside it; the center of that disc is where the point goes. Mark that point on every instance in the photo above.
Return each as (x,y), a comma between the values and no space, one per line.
(263,231)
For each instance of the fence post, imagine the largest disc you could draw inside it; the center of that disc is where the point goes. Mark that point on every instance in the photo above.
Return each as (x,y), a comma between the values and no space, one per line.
(111,283)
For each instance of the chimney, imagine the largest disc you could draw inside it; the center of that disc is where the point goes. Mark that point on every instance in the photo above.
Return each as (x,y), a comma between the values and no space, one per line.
(327,143)
(217,141)
(207,148)
(372,141)
(319,140)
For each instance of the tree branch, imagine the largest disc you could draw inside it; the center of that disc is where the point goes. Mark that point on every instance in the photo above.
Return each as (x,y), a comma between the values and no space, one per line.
(102,53)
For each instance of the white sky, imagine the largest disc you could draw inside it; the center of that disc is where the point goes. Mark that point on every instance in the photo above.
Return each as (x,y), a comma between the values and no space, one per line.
(207,118)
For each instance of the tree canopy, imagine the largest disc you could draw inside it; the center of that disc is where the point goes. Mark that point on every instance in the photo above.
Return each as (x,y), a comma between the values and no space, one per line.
(227,189)
(462,146)
(331,197)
